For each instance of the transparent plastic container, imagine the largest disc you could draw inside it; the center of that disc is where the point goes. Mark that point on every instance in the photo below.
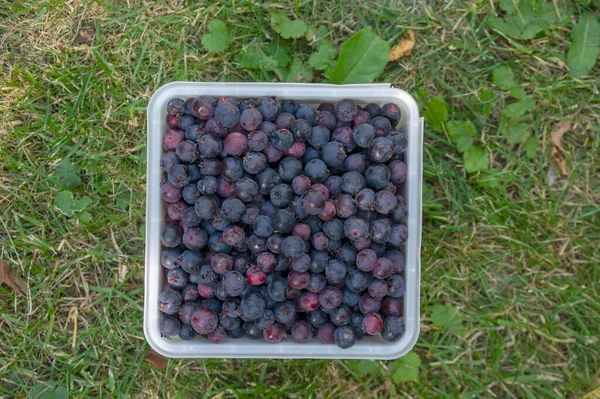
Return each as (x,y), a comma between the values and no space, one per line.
(367,348)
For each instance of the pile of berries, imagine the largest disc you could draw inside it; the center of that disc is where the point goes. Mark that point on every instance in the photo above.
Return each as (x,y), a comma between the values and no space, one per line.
(283,220)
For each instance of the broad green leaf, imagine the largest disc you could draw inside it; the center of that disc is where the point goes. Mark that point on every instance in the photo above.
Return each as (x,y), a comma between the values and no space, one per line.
(365,367)
(520,108)
(407,368)
(504,78)
(488,98)
(67,175)
(509,5)
(523,22)
(488,179)
(436,113)
(64,202)
(475,159)
(85,217)
(461,133)
(362,59)
(531,147)
(299,72)
(250,58)
(448,317)
(442,315)
(286,27)
(517,132)
(517,92)
(583,52)
(80,204)
(123,200)
(279,53)
(322,58)
(218,39)
(48,391)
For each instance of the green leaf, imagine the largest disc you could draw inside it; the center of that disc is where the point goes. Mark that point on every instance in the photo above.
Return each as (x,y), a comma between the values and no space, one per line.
(583,51)
(85,217)
(442,315)
(475,159)
(517,92)
(531,146)
(67,175)
(286,27)
(48,390)
(516,132)
(218,39)
(436,113)
(299,72)
(365,367)
(64,202)
(523,22)
(279,53)
(362,59)
(461,133)
(123,200)
(80,204)
(504,78)
(323,58)
(520,108)
(488,179)
(509,6)
(250,57)
(445,316)
(407,368)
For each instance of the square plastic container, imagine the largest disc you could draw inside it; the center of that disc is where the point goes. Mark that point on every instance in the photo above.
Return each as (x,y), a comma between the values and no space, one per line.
(368,348)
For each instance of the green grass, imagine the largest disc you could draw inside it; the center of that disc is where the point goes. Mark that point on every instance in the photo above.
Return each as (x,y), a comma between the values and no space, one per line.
(519,259)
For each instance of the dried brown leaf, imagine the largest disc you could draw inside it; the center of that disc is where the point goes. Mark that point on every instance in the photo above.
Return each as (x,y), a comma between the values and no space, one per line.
(156,360)
(558,152)
(8,278)
(404,48)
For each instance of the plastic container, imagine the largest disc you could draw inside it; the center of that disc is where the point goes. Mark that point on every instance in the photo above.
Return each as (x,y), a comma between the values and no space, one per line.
(367,348)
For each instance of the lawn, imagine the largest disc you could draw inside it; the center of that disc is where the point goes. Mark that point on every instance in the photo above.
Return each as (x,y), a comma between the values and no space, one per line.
(510,259)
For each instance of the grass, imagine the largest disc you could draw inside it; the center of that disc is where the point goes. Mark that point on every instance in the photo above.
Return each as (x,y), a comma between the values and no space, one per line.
(518,258)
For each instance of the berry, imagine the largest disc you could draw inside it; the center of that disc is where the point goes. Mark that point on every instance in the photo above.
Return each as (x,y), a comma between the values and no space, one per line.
(195,238)
(316,171)
(330,298)
(364,135)
(372,324)
(326,332)
(301,331)
(169,325)
(235,144)
(319,136)
(368,304)
(233,283)
(344,337)
(253,306)
(345,206)
(307,113)
(204,321)
(393,329)
(392,112)
(257,140)
(169,301)
(204,107)
(346,110)
(274,334)
(392,306)
(365,260)
(251,119)
(353,182)
(381,150)
(340,316)
(227,114)
(269,108)
(285,312)
(170,235)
